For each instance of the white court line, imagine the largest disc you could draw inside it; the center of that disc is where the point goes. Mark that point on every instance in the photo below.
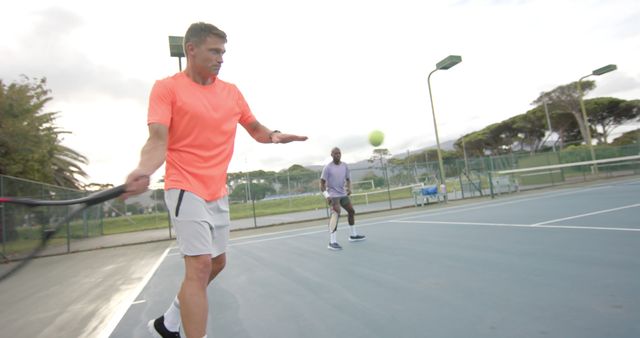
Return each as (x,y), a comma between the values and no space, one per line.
(243,242)
(119,314)
(522,225)
(420,213)
(302,232)
(129,299)
(107,330)
(589,214)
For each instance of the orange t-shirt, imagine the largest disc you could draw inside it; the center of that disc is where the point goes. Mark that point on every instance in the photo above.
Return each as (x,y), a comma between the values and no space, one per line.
(202,122)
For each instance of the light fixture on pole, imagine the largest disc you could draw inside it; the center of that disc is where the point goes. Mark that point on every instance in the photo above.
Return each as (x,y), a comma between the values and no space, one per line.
(598,72)
(445,64)
(176,48)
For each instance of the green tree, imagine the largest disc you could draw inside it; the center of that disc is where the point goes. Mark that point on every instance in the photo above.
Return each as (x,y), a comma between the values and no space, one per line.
(257,191)
(377,180)
(479,142)
(566,126)
(607,113)
(566,98)
(530,128)
(30,143)
(379,154)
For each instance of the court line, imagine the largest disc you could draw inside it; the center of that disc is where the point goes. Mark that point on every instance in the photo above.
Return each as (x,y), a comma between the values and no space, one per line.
(523,225)
(589,214)
(420,213)
(244,242)
(129,299)
(448,210)
(122,309)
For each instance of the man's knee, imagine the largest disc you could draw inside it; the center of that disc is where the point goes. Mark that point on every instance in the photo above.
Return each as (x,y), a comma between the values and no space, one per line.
(198,268)
(336,208)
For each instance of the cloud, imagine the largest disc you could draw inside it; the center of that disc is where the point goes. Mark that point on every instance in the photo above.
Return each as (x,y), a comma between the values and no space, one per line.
(50,49)
(615,83)
(628,26)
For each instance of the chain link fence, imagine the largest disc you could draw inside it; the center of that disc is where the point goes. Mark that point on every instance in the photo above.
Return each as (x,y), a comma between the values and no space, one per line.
(274,198)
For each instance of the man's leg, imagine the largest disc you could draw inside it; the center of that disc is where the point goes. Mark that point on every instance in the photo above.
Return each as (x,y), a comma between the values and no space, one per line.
(217,264)
(333,224)
(216,236)
(351,218)
(194,306)
(172,316)
(351,213)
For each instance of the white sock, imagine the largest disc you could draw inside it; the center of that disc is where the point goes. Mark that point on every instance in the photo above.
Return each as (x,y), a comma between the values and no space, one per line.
(205,336)
(332,237)
(353,230)
(172,316)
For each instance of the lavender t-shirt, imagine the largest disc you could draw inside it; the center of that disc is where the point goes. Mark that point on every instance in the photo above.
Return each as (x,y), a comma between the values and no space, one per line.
(336,175)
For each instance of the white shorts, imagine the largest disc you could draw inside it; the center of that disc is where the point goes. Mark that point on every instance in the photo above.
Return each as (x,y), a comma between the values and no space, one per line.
(202,228)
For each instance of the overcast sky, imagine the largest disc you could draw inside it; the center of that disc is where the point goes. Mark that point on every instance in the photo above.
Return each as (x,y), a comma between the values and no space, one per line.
(332,70)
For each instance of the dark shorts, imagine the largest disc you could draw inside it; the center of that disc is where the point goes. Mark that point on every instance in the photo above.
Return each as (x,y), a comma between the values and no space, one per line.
(344,201)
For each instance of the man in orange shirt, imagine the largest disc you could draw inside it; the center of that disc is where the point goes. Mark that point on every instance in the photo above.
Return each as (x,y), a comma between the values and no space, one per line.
(192,121)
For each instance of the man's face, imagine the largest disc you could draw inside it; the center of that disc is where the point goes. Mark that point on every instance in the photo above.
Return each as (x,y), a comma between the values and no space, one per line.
(335,153)
(207,57)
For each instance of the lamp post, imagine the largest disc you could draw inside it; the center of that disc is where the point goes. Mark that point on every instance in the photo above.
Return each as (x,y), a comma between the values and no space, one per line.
(445,64)
(546,112)
(176,48)
(598,72)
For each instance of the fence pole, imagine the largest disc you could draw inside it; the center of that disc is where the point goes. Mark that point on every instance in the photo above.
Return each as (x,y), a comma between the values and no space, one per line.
(2,220)
(68,232)
(491,185)
(386,176)
(253,202)
(289,189)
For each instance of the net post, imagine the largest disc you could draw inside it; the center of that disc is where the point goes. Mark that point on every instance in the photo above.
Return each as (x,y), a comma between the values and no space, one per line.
(491,185)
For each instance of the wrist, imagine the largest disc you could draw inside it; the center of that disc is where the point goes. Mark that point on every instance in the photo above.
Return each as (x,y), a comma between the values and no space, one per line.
(325,194)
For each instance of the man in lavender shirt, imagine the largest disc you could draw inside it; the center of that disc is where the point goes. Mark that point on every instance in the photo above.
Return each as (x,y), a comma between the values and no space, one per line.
(335,185)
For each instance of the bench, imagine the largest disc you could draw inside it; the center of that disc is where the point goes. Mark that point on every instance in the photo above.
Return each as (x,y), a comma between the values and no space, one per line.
(425,193)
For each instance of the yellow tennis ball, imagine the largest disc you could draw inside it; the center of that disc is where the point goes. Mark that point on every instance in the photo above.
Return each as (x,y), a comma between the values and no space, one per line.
(376,137)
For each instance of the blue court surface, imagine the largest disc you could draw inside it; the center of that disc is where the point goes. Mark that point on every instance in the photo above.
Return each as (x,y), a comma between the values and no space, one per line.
(558,263)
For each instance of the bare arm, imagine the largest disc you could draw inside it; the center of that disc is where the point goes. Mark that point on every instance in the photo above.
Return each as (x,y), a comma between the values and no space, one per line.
(348,186)
(323,189)
(151,158)
(263,134)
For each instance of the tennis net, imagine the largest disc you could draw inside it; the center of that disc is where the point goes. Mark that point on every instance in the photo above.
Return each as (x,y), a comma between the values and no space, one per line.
(505,181)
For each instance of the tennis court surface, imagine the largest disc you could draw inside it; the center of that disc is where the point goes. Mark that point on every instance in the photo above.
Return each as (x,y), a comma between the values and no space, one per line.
(558,263)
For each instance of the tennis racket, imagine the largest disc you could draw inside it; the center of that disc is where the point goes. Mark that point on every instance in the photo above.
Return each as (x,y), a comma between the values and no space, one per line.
(79,204)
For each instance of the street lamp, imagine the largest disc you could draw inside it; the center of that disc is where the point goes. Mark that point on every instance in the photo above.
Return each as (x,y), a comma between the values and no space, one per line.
(598,72)
(546,112)
(445,64)
(176,48)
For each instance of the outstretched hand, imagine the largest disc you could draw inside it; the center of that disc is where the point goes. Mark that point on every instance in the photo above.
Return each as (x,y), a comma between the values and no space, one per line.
(286,138)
